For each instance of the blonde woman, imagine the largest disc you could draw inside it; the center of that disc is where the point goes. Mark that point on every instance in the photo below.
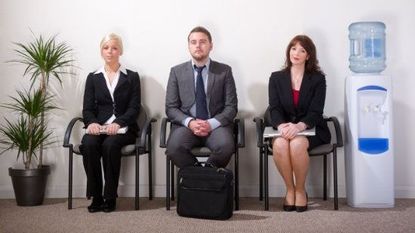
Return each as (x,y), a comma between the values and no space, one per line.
(111,102)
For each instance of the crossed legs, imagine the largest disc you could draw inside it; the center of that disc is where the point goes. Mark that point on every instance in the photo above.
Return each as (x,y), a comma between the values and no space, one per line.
(292,161)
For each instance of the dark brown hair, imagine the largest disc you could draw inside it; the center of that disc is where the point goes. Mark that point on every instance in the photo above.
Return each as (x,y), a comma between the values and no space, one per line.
(311,64)
(202,30)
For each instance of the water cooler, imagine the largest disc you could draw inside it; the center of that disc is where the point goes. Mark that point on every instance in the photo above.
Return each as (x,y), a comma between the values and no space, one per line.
(368,120)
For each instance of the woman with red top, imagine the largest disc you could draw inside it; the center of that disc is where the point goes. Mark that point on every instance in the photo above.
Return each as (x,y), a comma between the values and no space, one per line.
(296,101)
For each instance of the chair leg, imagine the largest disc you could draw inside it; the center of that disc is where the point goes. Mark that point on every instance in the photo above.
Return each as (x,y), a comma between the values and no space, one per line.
(324,177)
(237,179)
(137,179)
(172,180)
(150,169)
(261,174)
(336,199)
(70,177)
(167,183)
(266,188)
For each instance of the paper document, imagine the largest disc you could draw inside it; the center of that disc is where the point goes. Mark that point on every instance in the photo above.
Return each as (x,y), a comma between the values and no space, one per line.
(270,132)
(122,130)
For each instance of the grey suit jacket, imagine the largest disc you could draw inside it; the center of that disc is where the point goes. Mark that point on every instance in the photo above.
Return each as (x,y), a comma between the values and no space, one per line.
(221,93)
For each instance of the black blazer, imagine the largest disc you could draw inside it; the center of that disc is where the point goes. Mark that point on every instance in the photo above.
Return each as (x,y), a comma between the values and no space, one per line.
(310,103)
(98,105)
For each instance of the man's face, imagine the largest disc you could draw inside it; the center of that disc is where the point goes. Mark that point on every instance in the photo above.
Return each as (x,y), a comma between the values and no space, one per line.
(199,46)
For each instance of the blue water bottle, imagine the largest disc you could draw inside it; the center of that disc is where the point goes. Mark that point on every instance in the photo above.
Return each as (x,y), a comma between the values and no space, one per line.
(367,47)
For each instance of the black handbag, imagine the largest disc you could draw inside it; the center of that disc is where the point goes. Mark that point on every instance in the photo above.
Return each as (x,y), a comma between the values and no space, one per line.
(205,192)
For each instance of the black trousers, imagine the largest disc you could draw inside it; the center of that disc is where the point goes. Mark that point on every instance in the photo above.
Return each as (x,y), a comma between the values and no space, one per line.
(95,147)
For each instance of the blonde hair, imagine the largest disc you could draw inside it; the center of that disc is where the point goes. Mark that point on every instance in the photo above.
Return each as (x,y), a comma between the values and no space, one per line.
(112,36)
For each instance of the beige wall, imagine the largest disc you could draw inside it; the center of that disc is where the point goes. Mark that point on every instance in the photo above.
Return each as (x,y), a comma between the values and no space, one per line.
(251,36)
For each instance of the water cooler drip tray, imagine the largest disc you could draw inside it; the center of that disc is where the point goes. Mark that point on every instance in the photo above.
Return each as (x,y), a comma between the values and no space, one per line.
(373,146)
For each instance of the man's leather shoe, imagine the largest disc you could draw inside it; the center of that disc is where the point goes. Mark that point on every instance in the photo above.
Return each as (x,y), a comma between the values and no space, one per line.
(109,205)
(96,205)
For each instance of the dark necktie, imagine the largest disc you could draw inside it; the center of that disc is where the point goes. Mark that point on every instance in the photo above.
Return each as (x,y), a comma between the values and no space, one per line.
(201,106)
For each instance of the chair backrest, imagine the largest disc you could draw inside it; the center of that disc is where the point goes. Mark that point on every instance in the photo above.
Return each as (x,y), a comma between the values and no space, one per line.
(142,118)
(335,130)
(267,117)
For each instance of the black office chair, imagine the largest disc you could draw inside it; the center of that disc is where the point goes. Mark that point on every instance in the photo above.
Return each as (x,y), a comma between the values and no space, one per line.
(324,150)
(239,140)
(142,146)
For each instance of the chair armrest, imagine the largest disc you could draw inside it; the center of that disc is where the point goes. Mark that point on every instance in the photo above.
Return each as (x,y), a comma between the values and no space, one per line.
(259,125)
(163,129)
(337,129)
(146,130)
(68,131)
(240,132)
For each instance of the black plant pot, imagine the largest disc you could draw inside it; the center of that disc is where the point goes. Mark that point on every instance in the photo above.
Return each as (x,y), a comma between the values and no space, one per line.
(29,185)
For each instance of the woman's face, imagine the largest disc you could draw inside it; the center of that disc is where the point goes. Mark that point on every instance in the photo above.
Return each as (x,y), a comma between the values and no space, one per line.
(111,52)
(298,55)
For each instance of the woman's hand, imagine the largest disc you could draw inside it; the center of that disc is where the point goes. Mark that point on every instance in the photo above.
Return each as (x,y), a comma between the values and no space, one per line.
(290,130)
(112,128)
(93,128)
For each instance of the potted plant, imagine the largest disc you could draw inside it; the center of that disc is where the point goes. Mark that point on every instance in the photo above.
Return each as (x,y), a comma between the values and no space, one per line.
(28,134)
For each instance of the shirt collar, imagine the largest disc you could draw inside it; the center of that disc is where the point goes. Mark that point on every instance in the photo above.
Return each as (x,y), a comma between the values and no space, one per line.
(207,64)
(122,69)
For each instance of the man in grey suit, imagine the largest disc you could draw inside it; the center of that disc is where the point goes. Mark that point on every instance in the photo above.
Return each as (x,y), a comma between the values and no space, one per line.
(201,102)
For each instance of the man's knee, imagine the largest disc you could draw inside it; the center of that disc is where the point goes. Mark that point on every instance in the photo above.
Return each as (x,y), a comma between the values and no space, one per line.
(176,142)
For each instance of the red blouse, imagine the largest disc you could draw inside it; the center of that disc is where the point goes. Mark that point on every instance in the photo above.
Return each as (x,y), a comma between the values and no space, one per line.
(296,96)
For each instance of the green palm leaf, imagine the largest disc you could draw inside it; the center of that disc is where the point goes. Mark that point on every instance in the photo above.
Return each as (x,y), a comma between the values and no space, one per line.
(43,59)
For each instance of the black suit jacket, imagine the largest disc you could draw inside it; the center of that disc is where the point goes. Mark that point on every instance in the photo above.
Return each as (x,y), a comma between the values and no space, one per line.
(98,105)
(310,104)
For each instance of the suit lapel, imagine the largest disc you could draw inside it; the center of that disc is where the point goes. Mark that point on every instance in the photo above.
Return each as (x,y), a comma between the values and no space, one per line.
(288,95)
(121,80)
(189,81)
(103,85)
(304,91)
(211,80)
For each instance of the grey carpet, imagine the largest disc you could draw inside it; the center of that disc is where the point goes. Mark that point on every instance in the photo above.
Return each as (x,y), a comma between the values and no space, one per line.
(53,216)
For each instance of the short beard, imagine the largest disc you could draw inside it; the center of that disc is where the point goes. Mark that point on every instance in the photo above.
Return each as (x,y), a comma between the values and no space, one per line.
(200,59)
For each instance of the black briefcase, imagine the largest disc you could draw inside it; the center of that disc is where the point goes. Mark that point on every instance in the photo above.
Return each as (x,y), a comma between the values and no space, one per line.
(205,192)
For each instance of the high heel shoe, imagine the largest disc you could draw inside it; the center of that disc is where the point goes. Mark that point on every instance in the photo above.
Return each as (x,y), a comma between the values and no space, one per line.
(302,208)
(287,208)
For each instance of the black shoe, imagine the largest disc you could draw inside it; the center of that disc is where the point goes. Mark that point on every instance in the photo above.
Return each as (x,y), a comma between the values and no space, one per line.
(302,208)
(286,207)
(96,204)
(109,205)
(289,208)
